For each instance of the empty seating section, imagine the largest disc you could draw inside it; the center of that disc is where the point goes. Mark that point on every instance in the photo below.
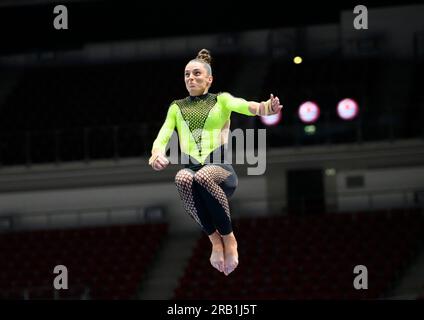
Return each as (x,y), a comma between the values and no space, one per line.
(102,262)
(310,257)
(281,257)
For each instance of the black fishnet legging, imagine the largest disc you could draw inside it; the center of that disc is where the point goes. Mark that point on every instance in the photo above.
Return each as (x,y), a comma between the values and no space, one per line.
(204,197)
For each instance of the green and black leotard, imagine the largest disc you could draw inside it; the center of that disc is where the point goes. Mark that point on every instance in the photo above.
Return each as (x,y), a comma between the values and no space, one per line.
(200,122)
(204,186)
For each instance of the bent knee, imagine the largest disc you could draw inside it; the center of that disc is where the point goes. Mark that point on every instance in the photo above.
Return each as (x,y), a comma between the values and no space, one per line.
(183,177)
(202,178)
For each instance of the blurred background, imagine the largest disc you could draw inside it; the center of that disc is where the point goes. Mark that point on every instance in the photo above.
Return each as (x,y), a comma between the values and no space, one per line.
(344,184)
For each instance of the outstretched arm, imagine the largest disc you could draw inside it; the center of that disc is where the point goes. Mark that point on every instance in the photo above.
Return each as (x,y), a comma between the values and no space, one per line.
(252,108)
(266,108)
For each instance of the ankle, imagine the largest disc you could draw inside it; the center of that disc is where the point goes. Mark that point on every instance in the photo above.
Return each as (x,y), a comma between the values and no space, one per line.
(230,240)
(216,239)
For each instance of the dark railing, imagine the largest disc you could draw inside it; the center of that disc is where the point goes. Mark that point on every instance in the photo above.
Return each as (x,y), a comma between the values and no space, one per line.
(135,140)
(82,144)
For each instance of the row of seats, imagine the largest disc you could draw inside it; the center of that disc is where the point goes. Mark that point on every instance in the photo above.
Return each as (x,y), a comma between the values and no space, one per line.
(102,262)
(281,257)
(313,257)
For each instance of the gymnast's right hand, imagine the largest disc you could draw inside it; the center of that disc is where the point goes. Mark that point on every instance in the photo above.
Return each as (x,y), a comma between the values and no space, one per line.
(158,161)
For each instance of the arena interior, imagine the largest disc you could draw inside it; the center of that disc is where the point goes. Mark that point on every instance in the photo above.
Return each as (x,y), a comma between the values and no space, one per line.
(79,113)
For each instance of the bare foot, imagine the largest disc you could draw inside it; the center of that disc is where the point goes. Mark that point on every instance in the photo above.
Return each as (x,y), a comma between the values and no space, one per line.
(217,255)
(231,254)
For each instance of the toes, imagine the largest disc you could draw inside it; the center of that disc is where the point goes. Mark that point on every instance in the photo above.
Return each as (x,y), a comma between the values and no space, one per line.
(221,266)
(231,267)
(216,266)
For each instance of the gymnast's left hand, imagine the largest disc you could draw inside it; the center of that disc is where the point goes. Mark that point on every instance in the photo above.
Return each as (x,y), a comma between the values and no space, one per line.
(275,105)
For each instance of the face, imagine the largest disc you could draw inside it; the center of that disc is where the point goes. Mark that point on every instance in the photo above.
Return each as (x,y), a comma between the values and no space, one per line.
(196,78)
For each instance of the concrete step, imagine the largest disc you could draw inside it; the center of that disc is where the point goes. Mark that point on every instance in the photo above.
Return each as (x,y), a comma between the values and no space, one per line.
(412,283)
(162,280)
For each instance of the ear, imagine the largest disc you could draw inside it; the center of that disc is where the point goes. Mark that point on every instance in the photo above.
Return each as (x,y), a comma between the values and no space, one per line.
(210,80)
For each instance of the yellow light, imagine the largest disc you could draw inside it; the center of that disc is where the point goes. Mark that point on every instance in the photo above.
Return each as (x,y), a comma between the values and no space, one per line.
(297,60)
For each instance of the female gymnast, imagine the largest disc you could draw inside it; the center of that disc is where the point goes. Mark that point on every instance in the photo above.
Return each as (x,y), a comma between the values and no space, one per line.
(205,184)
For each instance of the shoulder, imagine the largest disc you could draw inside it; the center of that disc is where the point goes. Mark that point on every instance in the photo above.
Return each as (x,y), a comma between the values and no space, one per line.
(224,96)
(179,102)
(172,108)
(228,99)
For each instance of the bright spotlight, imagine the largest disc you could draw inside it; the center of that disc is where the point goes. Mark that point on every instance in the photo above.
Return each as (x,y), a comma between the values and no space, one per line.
(347,109)
(309,112)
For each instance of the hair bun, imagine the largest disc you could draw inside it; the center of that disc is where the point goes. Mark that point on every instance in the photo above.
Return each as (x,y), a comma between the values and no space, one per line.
(205,56)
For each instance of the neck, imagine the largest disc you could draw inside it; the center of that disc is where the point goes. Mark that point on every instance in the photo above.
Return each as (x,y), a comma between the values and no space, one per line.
(203,95)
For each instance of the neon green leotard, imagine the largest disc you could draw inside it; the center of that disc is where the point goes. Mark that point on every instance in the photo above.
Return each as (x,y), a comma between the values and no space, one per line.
(199,122)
